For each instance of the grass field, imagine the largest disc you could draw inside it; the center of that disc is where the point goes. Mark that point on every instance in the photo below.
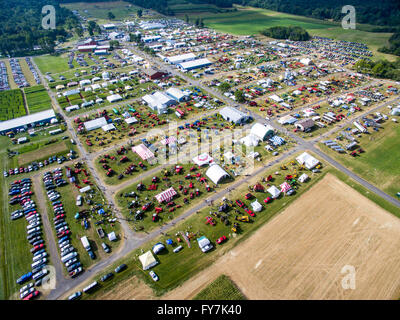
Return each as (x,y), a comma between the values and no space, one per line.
(221,288)
(37,99)
(384,172)
(43,152)
(250,21)
(99,10)
(56,63)
(11,104)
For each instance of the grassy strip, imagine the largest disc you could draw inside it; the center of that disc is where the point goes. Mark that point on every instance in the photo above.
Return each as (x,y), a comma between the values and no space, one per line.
(221,288)
(37,99)
(11,104)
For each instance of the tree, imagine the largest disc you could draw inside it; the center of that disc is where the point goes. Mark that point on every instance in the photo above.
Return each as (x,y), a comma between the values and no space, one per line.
(110,15)
(186,18)
(239,96)
(224,87)
(197,22)
(114,44)
(139,13)
(201,23)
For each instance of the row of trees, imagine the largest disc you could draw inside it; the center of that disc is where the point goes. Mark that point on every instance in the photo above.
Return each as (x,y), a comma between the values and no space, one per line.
(381,69)
(291,33)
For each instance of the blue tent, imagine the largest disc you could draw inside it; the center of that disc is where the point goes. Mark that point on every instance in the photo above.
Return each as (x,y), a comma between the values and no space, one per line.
(101,211)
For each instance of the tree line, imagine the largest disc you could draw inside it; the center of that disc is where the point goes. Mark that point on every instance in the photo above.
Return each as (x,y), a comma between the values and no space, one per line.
(291,33)
(394,45)
(381,69)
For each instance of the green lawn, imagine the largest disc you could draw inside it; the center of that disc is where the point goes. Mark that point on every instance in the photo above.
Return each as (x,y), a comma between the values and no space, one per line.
(37,99)
(11,104)
(99,10)
(221,288)
(380,162)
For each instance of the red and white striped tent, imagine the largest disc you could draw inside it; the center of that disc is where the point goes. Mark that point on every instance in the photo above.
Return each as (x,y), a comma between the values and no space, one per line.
(168,140)
(285,187)
(143,152)
(166,195)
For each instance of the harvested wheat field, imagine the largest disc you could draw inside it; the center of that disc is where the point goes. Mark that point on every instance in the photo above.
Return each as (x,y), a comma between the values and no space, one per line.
(131,289)
(301,252)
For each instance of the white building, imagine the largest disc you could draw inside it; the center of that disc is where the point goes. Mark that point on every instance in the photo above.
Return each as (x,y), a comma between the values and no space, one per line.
(233,115)
(95,124)
(180,58)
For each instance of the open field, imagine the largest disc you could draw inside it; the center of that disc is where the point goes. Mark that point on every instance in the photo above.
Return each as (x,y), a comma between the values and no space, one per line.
(37,99)
(43,153)
(11,104)
(221,288)
(379,163)
(99,10)
(53,64)
(300,253)
(250,21)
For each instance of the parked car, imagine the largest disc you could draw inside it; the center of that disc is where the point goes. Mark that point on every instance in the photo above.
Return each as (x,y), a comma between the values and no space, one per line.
(120,268)
(75,295)
(153,275)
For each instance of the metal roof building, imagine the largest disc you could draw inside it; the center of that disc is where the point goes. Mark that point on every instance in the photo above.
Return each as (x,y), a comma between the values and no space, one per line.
(180,58)
(233,115)
(194,64)
(27,121)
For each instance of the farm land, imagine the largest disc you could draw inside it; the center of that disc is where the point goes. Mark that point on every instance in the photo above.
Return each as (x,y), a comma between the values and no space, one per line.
(11,104)
(37,99)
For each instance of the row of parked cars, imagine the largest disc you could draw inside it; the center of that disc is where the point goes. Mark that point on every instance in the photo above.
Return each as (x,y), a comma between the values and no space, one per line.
(33,70)
(91,287)
(21,193)
(19,77)
(37,165)
(68,253)
(4,85)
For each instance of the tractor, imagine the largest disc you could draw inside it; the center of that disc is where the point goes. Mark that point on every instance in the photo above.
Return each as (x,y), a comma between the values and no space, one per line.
(242,218)
(235,227)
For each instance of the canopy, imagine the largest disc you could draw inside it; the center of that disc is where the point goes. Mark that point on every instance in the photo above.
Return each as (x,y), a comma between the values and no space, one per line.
(158,247)
(216,173)
(261,131)
(143,152)
(307,160)
(274,192)
(148,261)
(250,140)
(303,177)
(285,187)
(256,206)
(203,159)
(166,195)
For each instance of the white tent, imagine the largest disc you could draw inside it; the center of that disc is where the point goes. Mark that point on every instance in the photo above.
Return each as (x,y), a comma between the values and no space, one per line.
(303,178)
(148,261)
(112,236)
(158,247)
(256,206)
(95,124)
(261,131)
(307,160)
(274,192)
(250,140)
(203,159)
(216,173)
(108,127)
(131,120)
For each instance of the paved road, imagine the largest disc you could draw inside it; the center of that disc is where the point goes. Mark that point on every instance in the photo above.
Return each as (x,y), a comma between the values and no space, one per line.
(133,240)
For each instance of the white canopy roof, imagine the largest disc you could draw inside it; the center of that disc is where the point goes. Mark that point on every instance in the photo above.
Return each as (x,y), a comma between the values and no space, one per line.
(216,173)
(148,261)
(203,159)
(274,192)
(303,177)
(307,160)
(250,140)
(261,131)
(256,206)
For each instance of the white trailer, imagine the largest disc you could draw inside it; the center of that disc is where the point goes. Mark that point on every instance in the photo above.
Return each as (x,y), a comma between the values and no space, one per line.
(359,127)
